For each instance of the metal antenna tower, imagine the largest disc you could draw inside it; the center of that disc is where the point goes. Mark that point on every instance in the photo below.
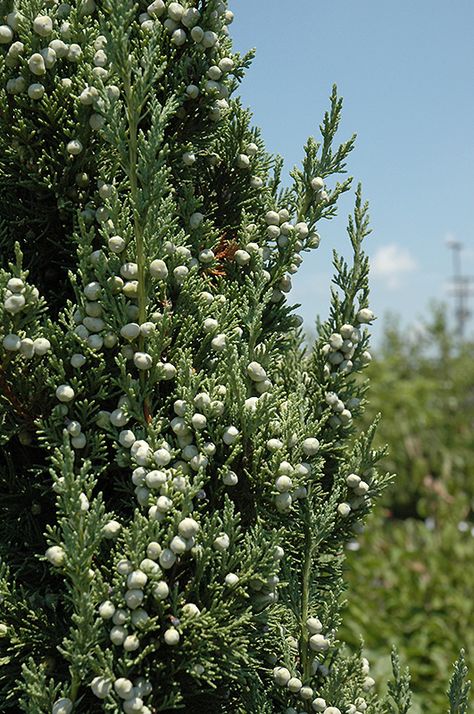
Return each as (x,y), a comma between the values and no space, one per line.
(461,288)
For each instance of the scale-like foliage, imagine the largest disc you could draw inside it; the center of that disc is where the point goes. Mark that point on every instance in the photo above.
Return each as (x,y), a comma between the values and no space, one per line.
(192,474)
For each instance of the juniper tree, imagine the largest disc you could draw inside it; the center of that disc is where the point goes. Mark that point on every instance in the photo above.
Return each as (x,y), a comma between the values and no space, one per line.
(179,473)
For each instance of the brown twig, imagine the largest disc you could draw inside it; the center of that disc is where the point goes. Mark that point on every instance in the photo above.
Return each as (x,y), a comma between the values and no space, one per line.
(226,251)
(15,403)
(146,412)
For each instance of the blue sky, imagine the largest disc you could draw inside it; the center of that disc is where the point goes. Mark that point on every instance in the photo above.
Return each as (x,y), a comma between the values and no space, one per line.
(406,72)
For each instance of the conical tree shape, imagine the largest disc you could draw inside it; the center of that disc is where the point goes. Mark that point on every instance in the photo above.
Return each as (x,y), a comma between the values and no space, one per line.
(179,474)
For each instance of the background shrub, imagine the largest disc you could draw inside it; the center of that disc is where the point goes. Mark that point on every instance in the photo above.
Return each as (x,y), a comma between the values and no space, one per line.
(411,573)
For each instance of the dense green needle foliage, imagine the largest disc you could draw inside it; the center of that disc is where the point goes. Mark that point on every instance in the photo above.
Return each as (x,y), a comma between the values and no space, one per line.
(179,474)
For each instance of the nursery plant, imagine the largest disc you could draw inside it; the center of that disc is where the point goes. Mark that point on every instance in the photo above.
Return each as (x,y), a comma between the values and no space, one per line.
(422,385)
(413,564)
(179,475)
(412,585)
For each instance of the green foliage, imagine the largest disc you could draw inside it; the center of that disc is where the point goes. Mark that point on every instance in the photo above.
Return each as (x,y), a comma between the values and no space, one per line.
(184,457)
(423,388)
(158,205)
(411,580)
(412,586)
(399,695)
(459,688)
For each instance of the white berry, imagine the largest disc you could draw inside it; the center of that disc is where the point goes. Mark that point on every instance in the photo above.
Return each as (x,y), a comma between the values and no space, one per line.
(294,684)
(365,315)
(243,161)
(230,478)
(281,676)
(142,360)
(310,446)
(101,687)
(43,25)
(256,372)
(318,643)
(344,509)
(74,147)
(314,625)
(56,555)
(171,636)
(123,687)
(167,558)
(222,542)
(161,590)
(156,9)
(11,343)
(230,435)
(111,529)
(14,304)
(41,346)
(62,706)
(65,393)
